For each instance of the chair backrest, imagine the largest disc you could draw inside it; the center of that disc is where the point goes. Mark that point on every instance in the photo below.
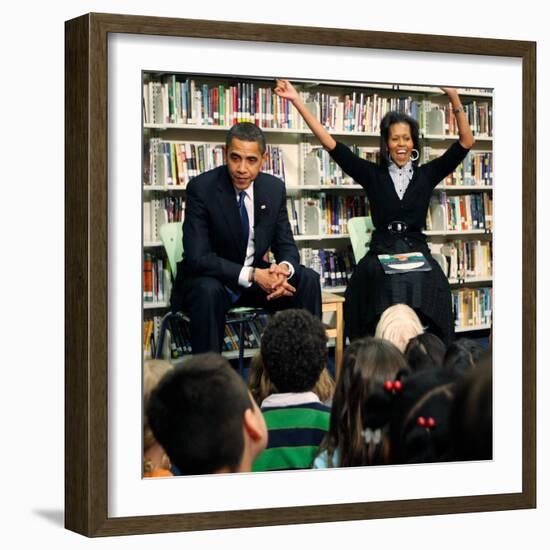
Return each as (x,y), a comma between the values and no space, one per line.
(171,235)
(360,231)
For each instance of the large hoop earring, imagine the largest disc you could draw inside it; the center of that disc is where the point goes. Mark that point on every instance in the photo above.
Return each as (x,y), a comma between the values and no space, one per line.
(414,159)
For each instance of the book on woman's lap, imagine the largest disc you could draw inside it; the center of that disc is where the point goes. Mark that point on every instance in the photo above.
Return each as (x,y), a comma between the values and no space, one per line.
(404,263)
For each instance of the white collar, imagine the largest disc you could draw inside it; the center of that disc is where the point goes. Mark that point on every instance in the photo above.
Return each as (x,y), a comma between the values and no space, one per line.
(289,399)
(249,192)
(408,168)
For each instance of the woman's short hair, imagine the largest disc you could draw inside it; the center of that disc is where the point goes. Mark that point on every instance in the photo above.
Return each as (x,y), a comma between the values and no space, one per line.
(398,324)
(393,117)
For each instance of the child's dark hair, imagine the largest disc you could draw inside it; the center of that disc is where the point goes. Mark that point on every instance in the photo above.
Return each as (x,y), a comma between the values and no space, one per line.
(420,418)
(462,355)
(393,117)
(425,351)
(425,431)
(367,364)
(196,414)
(471,421)
(294,350)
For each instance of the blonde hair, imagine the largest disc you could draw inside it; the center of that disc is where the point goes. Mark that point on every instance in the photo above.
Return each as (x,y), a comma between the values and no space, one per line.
(324,388)
(260,385)
(398,324)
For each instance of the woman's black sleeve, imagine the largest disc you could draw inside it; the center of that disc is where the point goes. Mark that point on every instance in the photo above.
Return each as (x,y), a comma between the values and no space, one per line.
(361,170)
(444,165)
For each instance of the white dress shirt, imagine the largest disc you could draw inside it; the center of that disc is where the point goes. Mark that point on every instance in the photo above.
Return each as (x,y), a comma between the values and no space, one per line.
(401,177)
(244,275)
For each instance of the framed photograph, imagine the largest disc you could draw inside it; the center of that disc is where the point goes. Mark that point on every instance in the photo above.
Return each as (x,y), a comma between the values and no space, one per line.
(106,59)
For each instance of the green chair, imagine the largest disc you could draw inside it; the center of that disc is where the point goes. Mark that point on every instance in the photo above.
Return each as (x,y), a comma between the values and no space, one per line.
(360,231)
(171,235)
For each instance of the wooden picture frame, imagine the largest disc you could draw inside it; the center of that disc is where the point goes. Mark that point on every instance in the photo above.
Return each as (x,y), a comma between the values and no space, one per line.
(86,279)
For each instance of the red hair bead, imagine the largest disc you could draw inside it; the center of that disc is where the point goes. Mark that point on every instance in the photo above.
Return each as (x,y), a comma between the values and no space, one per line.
(397,385)
(388,385)
(421,421)
(431,422)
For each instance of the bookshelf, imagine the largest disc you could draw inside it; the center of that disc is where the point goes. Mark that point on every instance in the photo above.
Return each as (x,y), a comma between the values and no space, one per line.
(186,117)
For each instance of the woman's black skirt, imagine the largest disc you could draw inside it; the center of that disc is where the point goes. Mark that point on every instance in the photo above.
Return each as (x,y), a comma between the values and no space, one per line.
(370,291)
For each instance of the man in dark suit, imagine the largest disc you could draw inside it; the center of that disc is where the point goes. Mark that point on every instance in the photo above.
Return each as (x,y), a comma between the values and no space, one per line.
(235,215)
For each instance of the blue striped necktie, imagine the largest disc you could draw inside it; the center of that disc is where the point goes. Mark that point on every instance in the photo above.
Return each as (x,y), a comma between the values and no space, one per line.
(234,295)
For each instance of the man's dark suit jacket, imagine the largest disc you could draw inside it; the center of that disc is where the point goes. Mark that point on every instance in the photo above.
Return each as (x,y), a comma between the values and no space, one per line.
(213,244)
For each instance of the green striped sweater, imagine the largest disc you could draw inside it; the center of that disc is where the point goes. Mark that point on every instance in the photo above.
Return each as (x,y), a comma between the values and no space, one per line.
(295,432)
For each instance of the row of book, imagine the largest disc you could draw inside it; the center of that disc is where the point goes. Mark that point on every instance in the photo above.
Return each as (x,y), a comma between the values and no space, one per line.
(170,101)
(334,266)
(357,111)
(472,307)
(360,112)
(179,335)
(174,163)
(311,214)
(466,259)
(442,120)
(475,169)
(157,284)
(151,331)
(473,211)
(324,214)
(327,214)
(320,169)
(157,212)
(173,101)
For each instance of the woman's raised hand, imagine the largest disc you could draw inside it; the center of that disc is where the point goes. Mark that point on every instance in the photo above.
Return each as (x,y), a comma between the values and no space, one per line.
(285,89)
(465,135)
(451,92)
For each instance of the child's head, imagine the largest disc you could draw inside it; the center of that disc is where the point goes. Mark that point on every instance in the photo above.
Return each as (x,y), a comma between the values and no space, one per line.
(462,355)
(425,431)
(204,417)
(398,324)
(420,416)
(294,350)
(368,362)
(153,371)
(425,351)
(471,419)
(260,385)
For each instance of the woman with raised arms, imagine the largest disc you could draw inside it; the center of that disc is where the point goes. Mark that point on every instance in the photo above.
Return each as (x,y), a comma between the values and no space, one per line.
(398,190)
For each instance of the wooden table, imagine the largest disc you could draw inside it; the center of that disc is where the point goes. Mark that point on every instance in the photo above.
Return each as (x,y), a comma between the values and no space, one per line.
(335,303)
